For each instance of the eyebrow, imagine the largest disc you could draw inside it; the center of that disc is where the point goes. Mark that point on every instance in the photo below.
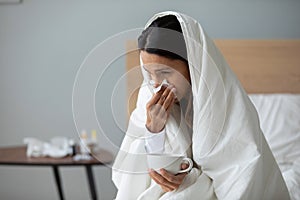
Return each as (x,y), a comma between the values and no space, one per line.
(157,70)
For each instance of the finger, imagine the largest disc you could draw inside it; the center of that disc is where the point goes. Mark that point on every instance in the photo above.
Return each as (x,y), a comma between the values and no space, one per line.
(167,189)
(154,99)
(164,95)
(156,107)
(170,99)
(165,109)
(184,166)
(176,179)
(164,184)
(159,179)
(166,101)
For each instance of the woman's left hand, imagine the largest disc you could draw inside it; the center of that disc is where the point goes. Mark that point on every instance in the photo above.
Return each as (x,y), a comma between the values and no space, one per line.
(167,181)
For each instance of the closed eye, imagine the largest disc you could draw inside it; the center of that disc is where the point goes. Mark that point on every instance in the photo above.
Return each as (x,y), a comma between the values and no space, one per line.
(165,72)
(158,71)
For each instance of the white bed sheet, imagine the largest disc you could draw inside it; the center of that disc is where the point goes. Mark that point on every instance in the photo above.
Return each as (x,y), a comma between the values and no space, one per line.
(279,116)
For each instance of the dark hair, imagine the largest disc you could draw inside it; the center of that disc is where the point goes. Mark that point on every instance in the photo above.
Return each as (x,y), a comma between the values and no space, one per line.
(164,41)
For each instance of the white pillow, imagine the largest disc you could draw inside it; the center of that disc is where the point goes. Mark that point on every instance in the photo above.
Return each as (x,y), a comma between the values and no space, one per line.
(280,121)
(279,116)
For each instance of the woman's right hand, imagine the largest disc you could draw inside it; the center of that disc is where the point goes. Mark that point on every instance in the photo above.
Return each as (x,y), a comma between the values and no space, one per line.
(158,108)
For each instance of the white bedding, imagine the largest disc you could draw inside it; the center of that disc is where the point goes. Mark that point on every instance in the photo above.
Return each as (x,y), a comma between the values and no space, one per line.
(280,122)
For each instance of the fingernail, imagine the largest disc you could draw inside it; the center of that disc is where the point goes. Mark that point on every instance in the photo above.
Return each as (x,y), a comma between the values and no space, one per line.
(173,90)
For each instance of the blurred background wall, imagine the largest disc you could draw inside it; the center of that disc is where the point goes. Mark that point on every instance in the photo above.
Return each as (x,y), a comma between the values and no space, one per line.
(44,42)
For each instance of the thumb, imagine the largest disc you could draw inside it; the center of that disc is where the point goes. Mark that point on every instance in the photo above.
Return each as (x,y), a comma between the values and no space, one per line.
(184,166)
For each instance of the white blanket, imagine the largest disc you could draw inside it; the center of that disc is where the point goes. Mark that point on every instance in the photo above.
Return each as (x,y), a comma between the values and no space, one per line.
(227,144)
(279,115)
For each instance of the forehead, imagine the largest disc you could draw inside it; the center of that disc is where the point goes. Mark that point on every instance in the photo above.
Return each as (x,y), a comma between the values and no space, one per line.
(155,62)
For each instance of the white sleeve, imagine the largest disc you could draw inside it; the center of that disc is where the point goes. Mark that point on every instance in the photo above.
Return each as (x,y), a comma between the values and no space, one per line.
(154,142)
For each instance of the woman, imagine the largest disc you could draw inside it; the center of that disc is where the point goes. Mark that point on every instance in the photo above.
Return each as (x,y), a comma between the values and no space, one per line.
(203,113)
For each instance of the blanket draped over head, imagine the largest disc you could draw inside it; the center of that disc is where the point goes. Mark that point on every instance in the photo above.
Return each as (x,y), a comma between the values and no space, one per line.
(232,157)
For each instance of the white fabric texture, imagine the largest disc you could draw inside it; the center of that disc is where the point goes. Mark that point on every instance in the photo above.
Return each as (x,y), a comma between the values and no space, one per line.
(227,144)
(154,142)
(279,115)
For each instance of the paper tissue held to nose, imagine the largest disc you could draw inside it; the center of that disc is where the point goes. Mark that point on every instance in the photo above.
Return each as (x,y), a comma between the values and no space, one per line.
(155,90)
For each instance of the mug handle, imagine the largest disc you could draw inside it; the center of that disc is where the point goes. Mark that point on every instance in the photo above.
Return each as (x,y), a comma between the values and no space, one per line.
(190,165)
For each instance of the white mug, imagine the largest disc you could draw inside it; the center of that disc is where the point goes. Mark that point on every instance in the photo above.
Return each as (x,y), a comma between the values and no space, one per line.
(170,162)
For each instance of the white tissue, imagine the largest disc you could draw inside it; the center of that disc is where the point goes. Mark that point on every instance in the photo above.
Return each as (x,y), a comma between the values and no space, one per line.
(155,90)
(57,148)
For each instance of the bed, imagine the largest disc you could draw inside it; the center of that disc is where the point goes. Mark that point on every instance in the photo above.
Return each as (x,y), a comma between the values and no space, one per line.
(269,70)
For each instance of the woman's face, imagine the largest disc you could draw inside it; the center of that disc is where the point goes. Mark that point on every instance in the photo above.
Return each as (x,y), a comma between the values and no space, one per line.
(176,72)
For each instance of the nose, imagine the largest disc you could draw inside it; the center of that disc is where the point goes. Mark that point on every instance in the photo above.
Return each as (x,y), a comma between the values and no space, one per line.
(155,82)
